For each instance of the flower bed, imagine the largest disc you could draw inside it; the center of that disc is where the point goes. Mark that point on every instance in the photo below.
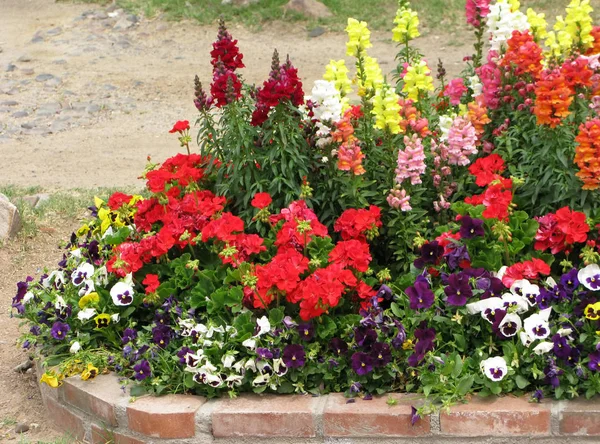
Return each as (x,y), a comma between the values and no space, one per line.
(442,244)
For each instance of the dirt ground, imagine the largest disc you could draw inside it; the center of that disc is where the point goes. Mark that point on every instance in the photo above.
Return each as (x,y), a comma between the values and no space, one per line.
(86,94)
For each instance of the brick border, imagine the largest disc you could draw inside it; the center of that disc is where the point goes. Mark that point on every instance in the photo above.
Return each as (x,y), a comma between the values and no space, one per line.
(99,411)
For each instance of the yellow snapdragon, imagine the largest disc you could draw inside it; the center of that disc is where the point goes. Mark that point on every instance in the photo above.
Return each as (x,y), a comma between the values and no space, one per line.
(407,25)
(417,80)
(515,5)
(337,72)
(372,78)
(538,24)
(578,23)
(387,110)
(358,37)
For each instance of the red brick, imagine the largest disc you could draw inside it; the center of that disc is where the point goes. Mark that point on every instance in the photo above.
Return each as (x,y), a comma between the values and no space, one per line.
(102,436)
(580,417)
(67,422)
(372,418)
(495,416)
(171,416)
(264,416)
(97,396)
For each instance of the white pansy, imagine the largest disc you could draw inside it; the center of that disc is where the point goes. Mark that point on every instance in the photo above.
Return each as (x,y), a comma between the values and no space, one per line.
(250,364)
(56,277)
(86,314)
(510,325)
(264,326)
(28,297)
(249,343)
(228,360)
(529,291)
(550,282)
(543,347)
(213,380)
(500,273)
(564,332)
(87,287)
(260,380)
(525,339)
(76,253)
(518,302)
(75,347)
(122,294)
(101,276)
(59,303)
(234,381)
(115,318)
(537,326)
(82,273)
(109,232)
(589,277)
(494,368)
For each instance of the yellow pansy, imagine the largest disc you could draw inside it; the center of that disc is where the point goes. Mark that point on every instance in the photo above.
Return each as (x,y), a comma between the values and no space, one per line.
(83,230)
(407,345)
(417,80)
(387,110)
(89,299)
(52,379)
(89,373)
(592,311)
(538,24)
(407,25)
(337,72)
(358,37)
(102,320)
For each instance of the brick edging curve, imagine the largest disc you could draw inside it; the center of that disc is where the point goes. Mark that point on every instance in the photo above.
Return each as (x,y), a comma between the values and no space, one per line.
(99,411)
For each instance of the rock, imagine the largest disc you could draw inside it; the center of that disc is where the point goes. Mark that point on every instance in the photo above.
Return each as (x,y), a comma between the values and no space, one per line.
(316,32)
(92,108)
(100,15)
(123,24)
(28,125)
(9,67)
(44,77)
(10,224)
(43,198)
(133,18)
(57,126)
(54,31)
(310,8)
(60,62)
(9,103)
(54,82)
(27,71)
(31,201)
(19,114)
(24,59)
(4,109)
(21,427)
(34,426)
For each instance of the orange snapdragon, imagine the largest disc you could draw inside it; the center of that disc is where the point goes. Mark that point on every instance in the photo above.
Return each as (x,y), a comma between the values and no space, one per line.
(587,154)
(553,98)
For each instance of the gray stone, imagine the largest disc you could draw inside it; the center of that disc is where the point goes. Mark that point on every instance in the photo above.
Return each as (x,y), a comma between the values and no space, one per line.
(54,31)
(316,32)
(123,24)
(9,103)
(107,87)
(10,221)
(133,18)
(22,427)
(112,7)
(28,125)
(92,108)
(19,114)
(27,71)
(57,126)
(100,15)
(310,8)
(9,67)
(60,62)
(54,82)
(4,109)
(11,92)
(43,199)
(44,77)
(24,59)
(37,39)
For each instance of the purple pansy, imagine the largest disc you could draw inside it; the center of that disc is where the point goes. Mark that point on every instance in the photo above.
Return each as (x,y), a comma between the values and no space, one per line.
(294,356)
(470,228)
(142,370)
(458,289)
(59,330)
(420,294)
(362,363)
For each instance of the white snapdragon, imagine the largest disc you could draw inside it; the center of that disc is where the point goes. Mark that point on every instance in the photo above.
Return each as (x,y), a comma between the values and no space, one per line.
(502,21)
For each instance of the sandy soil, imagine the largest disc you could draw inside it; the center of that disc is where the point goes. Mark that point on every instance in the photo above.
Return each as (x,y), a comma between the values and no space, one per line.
(83,103)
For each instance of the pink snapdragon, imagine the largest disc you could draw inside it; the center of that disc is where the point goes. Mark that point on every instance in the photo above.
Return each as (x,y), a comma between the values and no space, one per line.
(476,10)
(491,78)
(462,138)
(455,90)
(399,199)
(411,161)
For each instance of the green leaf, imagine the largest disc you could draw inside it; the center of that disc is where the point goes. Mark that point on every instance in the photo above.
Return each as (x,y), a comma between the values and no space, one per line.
(465,385)
(137,390)
(521,382)
(276,316)
(458,366)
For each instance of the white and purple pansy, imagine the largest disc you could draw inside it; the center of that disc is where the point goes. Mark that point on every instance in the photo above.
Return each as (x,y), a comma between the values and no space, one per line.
(87,287)
(590,277)
(487,307)
(122,294)
(263,326)
(526,289)
(543,347)
(510,325)
(494,368)
(536,326)
(82,273)
(515,302)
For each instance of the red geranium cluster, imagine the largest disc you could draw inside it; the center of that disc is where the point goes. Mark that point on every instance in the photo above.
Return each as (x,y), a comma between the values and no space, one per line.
(359,224)
(181,170)
(283,84)
(497,197)
(325,286)
(559,231)
(525,270)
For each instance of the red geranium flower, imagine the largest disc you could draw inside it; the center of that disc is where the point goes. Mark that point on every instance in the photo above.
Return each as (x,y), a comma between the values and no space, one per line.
(180,126)
(261,200)
(117,200)
(151,282)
